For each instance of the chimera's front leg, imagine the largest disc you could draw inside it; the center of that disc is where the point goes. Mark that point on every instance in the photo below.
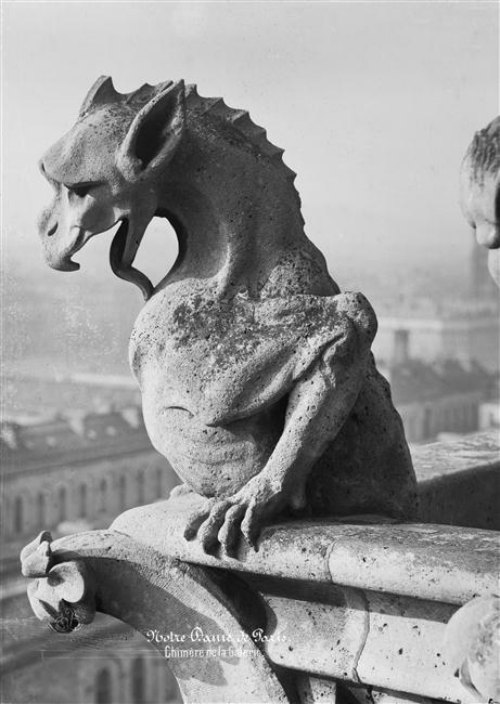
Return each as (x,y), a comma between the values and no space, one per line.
(317,408)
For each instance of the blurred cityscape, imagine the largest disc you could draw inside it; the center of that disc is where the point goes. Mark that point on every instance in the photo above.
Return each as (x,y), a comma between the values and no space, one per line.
(75,452)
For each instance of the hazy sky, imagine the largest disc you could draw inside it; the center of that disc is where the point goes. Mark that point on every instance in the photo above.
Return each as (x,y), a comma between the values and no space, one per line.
(373,102)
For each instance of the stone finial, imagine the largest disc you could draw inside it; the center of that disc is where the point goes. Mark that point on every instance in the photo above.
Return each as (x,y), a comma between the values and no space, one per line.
(62,593)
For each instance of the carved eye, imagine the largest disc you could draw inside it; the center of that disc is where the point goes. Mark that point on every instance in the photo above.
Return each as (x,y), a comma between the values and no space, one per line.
(81,189)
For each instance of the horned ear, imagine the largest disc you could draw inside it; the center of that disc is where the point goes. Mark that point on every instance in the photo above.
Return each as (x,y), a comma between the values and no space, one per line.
(101,93)
(154,133)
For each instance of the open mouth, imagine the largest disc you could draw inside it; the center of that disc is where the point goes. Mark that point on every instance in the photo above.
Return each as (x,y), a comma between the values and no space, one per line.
(123,249)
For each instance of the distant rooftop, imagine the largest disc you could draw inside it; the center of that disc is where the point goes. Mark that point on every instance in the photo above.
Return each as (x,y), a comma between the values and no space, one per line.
(443,310)
(120,381)
(39,395)
(413,380)
(79,437)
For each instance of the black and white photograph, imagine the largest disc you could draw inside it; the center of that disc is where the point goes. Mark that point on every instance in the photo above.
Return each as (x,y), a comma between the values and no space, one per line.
(250,352)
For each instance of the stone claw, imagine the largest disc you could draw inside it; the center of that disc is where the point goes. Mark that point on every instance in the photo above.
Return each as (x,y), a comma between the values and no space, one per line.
(228,534)
(220,523)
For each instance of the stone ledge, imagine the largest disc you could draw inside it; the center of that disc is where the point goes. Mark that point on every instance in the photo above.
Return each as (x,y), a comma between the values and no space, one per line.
(355,635)
(364,602)
(416,560)
(473,452)
(459,481)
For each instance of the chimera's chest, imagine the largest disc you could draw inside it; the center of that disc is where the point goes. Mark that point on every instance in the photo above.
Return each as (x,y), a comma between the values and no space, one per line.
(226,357)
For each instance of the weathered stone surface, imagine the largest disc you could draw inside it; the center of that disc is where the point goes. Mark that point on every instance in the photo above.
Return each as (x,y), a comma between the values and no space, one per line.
(404,647)
(322,629)
(480,188)
(365,601)
(376,696)
(357,636)
(441,563)
(382,639)
(313,690)
(257,380)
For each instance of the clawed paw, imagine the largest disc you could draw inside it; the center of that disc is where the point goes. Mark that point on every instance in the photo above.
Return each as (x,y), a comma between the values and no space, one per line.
(221,522)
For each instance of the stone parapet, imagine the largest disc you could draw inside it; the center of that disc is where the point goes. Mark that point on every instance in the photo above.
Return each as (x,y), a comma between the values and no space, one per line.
(459,481)
(424,561)
(362,609)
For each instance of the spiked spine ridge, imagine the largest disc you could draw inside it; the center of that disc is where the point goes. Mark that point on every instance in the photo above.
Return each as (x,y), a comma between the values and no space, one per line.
(104,91)
(242,121)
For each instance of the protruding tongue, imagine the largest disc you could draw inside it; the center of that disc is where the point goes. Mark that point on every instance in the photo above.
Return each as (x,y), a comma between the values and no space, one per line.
(121,256)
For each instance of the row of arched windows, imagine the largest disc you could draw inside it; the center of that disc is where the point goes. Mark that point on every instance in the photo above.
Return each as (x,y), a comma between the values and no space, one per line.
(108,496)
(425,422)
(103,685)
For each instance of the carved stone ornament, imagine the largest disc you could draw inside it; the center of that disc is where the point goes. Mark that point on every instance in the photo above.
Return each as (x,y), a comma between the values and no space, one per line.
(62,593)
(156,595)
(256,374)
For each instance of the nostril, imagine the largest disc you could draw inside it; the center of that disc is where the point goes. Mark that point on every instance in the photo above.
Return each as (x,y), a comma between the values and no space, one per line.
(52,230)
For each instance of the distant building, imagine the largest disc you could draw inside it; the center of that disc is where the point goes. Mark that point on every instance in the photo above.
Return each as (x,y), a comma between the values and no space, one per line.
(489,410)
(84,468)
(489,415)
(441,397)
(38,395)
(466,328)
(482,286)
(65,475)
(464,332)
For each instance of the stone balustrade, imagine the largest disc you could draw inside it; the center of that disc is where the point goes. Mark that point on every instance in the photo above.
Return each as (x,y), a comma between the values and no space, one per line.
(360,610)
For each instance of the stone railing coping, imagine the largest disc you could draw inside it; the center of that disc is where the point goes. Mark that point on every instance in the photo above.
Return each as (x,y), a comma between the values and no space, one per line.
(459,481)
(473,453)
(373,597)
(435,562)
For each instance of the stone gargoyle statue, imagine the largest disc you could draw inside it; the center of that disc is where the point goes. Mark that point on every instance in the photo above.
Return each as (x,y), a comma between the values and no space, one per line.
(257,379)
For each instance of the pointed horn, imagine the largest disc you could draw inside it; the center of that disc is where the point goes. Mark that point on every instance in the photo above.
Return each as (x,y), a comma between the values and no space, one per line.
(102,92)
